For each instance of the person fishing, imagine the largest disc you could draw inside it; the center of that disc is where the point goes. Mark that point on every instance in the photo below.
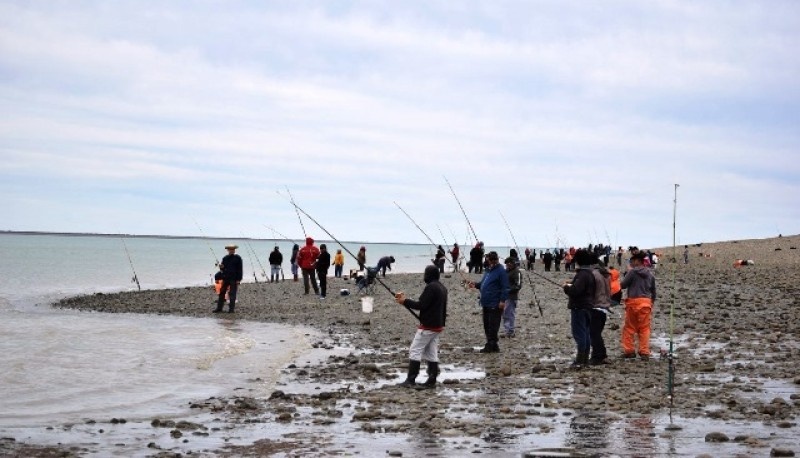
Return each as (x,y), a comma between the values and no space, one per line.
(361,258)
(641,288)
(232,272)
(581,300)
(455,252)
(439,259)
(494,289)
(432,306)
(515,284)
(599,312)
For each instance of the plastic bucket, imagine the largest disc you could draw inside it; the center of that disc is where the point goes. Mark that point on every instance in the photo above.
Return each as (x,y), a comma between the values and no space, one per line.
(366,304)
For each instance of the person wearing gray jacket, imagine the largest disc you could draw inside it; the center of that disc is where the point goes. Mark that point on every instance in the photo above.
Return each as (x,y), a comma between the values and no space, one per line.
(515,284)
(599,312)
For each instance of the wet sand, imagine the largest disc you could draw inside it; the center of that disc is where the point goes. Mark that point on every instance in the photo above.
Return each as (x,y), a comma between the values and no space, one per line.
(736,342)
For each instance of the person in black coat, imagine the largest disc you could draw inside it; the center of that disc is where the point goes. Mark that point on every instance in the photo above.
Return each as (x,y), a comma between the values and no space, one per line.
(432,306)
(232,271)
(275,261)
(323,263)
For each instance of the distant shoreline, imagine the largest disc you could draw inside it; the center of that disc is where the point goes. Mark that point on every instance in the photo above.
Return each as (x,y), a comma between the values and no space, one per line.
(187,237)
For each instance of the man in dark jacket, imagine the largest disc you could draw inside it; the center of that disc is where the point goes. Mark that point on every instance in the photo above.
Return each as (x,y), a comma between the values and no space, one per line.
(548,260)
(432,306)
(476,258)
(581,301)
(323,264)
(231,268)
(494,293)
(383,264)
(275,261)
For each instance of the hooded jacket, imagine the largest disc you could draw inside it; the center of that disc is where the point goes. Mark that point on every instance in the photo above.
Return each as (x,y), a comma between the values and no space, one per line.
(640,282)
(276,257)
(514,283)
(307,255)
(432,303)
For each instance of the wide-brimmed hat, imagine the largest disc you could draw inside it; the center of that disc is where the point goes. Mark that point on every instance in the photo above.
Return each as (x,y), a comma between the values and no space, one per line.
(231,247)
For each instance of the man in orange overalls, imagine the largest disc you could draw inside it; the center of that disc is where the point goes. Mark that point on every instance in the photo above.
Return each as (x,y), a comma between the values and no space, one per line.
(641,288)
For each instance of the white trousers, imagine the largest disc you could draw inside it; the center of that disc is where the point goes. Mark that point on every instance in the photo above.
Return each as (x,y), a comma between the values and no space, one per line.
(425,346)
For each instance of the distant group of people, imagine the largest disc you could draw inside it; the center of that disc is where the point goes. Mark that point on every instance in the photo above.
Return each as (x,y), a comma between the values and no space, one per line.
(310,262)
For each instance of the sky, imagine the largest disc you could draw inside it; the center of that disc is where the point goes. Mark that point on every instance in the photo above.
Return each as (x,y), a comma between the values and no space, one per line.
(554,122)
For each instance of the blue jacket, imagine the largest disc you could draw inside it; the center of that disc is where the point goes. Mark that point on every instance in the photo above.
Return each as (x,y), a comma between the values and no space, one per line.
(494,287)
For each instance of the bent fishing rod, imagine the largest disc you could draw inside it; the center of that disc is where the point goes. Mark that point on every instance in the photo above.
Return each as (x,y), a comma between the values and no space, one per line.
(297,207)
(463,278)
(533,287)
(274,232)
(462,209)
(135,278)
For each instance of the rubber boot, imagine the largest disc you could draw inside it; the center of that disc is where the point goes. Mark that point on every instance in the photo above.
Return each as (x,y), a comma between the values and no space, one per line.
(230,308)
(413,371)
(433,372)
(581,360)
(219,306)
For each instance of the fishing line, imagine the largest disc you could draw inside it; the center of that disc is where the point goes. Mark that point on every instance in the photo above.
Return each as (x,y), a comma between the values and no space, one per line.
(671,354)
(135,278)
(533,287)
(463,278)
(462,208)
(297,207)
(251,251)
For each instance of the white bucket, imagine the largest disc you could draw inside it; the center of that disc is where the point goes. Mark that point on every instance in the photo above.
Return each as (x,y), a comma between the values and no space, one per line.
(366,304)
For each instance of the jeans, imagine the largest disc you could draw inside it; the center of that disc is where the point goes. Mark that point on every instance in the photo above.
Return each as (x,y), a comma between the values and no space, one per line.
(337,270)
(580,319)
(509,316)
(310,273)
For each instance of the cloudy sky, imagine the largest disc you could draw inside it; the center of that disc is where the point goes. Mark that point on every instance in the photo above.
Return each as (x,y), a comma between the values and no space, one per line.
(574,120)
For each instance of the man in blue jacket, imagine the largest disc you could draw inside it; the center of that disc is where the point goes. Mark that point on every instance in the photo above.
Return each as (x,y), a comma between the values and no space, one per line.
(494,287)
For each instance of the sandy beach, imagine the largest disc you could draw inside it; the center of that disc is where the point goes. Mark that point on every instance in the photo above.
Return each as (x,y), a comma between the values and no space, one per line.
(736,336)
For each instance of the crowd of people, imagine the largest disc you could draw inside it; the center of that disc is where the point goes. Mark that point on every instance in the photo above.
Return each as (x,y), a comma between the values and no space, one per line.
(594,289)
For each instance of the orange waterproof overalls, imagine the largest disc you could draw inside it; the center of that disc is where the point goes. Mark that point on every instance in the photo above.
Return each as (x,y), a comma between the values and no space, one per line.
(637,323)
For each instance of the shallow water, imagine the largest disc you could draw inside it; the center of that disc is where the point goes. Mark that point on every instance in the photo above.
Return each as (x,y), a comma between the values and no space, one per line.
(66,366)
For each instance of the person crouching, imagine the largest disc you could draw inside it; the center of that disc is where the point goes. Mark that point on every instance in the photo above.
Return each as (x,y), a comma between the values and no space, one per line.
(432,306)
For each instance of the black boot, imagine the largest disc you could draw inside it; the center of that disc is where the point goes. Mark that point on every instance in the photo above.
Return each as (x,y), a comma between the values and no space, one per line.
(581,360)
(219,306)
(230,307)
(433,372)
(413,371)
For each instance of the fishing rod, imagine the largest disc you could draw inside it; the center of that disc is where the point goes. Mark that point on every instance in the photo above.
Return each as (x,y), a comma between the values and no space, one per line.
(463,278)
(291,199)
(297,207)
(533,287)
(462,209)
(255,255)
(671,354)
(214,255)
(135,278)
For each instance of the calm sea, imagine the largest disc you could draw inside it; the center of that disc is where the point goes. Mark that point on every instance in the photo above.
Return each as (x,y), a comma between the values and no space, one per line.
(63,366)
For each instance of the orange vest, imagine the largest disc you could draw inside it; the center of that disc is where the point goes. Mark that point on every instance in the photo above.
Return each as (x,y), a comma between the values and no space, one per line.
(615,286)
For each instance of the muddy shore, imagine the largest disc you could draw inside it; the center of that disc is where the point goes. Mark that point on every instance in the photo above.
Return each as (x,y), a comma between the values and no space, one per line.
(736,337)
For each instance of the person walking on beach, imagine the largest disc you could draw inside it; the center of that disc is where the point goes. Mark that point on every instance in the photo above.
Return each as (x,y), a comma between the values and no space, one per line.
(322,266)
(599,312)
(275,261)
(515,284)
(306,259)
(432,306)
(581,300)
(494,289)
(383,264)
(338,264)
(232,272)
(361,258)
(641,289)
(293,260)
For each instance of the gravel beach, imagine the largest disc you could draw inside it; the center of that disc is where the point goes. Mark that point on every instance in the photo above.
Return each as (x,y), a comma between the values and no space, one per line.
(737,383)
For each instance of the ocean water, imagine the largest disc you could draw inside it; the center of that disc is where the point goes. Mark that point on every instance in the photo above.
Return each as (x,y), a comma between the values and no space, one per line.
(63,366)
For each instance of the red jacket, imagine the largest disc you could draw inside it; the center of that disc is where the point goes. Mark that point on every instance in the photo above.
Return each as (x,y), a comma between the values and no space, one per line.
(307,256)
